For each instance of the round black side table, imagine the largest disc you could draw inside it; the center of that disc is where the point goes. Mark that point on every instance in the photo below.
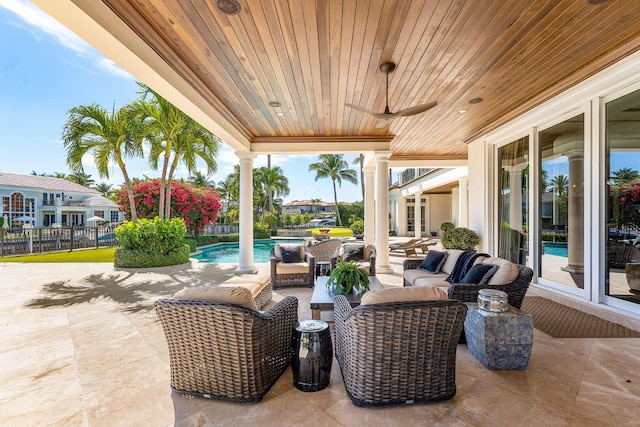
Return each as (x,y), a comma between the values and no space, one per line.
(313,355)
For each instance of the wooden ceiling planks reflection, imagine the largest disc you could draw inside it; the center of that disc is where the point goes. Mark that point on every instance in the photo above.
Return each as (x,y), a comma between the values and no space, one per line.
(315,56)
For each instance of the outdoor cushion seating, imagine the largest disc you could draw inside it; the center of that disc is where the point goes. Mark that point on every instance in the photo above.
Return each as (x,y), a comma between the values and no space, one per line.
(292,265)
(258,284)
(511,278)
(324,250)
(382,362)
(364,255)
(224,350)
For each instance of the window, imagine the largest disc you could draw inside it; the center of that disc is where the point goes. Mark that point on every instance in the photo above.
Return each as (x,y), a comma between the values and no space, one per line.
(622,161)
(513,200)
(114,216)
(561,199)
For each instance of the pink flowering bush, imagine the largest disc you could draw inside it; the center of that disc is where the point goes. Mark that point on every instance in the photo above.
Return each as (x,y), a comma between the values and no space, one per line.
(629,194)
(196,206)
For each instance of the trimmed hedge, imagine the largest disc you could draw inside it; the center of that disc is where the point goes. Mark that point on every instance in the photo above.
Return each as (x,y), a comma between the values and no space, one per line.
(138,258)
(193,244)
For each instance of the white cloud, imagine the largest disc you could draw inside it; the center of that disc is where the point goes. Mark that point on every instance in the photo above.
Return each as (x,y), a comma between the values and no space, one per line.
(39,20)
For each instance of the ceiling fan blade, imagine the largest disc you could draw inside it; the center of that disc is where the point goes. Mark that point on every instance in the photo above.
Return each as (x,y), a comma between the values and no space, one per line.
(359,108)
(415,110)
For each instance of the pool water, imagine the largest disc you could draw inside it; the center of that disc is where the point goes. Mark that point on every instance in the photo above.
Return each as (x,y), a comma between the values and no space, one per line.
(230,252)
(557,249)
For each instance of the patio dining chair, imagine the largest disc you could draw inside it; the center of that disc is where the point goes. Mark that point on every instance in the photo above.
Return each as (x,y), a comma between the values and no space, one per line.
(292,265)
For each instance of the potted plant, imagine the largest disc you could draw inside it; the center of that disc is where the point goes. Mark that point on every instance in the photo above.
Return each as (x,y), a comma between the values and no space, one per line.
(347,277)
(460,238)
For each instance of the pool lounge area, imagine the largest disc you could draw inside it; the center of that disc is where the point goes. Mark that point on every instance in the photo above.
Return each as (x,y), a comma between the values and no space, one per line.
(230,252)
(109,322)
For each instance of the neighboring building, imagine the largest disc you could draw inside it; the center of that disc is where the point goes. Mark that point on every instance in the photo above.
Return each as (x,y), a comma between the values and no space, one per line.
(438,191)
(49,200)
(306,206)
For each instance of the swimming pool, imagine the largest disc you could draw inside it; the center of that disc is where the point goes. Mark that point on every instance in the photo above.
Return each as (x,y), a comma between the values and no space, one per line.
(230,252)
(556,248)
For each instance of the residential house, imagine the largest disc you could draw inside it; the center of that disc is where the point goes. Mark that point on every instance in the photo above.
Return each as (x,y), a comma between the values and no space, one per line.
(43,201)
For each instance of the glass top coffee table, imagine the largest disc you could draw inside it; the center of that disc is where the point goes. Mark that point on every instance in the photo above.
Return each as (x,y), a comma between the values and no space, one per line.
(322,298)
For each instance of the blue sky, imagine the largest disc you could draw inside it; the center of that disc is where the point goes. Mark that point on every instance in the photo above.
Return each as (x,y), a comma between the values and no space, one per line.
(45,70)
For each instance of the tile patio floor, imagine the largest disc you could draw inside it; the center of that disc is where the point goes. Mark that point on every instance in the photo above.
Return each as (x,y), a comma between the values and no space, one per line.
(81,346)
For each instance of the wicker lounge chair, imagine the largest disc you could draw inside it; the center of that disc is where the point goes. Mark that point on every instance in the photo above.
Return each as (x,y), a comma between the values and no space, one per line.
(324,250)
(398,352)
(293,274)
(226,351)
(409,247)
(368,262)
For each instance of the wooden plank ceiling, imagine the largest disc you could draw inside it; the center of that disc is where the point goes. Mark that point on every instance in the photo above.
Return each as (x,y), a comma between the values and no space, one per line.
(313,56)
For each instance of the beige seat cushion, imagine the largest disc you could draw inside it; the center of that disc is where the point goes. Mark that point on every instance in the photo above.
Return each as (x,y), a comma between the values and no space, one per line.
(412,275)
(292,268)
(507,271)
(254,282)
(423,293)
(229,295)
(435,280)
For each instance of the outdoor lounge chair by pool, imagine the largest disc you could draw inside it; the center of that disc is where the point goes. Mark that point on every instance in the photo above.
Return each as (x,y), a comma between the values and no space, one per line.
(409,247)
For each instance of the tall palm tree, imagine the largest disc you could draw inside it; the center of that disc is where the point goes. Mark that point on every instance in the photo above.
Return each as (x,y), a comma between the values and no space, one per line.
(559,185)
(624,175)
(360,161)
(110,137)
(198,179)
(314,205)
(274,184)
(228,190)
(170,131)
(335,167)
(81,178)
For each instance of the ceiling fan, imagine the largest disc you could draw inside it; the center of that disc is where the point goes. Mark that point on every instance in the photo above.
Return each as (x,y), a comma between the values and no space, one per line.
(387,68)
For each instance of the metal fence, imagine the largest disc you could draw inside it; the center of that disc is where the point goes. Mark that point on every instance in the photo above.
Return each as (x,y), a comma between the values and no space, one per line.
(18,240)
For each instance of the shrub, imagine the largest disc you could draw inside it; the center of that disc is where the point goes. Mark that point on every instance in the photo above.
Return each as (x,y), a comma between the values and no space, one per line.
(193,244)
(460,238)
(139,258)
(208,239)
(232,237)
(446,226)
(151,243)
(261,231)
(357,226)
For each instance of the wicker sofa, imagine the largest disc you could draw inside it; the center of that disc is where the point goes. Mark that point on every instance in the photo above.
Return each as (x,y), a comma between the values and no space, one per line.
(382,362)
(467,292)
(227,351)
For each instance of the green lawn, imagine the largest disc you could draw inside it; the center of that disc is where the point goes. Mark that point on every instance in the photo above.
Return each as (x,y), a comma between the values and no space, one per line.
(334,231)
(86,255)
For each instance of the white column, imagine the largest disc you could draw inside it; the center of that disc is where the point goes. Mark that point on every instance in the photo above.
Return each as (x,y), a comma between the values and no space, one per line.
(382,213)
(417,218)
(369,205)
(515,199)
(246,213)
(455,206)
(401,216)
(575,220)
(463,202)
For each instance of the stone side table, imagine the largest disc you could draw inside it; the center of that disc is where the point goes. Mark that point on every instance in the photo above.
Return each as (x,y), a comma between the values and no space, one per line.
(499,340)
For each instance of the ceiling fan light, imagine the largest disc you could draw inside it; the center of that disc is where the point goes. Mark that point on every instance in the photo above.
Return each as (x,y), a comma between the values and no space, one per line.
(228,7)
(476,100)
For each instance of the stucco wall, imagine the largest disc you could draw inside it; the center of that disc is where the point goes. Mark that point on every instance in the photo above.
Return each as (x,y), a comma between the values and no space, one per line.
(440,211)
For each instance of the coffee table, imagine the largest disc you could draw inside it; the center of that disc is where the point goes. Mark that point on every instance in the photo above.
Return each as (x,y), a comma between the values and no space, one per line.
(322,298)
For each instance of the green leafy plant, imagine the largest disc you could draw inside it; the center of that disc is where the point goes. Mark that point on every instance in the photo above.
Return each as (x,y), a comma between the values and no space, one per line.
(460,238)
(348,276)
(446,226)
(357,226)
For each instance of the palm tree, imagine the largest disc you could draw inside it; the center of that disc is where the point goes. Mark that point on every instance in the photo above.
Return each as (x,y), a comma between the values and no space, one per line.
(198,179)
(559,185)
(81,178)
(110,137)
(169,131)
(274,184)
(360,161)
(624,175)
(314,205)
(103,188)
(335,167)
(228,190)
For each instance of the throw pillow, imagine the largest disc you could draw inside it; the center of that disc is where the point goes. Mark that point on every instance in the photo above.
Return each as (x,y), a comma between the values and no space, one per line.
(508,272)
(479,274)
(433,261)
(229,295)
(290,254)
(353,253)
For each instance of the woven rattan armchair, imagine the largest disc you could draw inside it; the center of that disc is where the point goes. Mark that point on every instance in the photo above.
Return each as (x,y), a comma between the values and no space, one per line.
(370,259)
(303,274)
(468,292)
(398,352)
(226,351)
